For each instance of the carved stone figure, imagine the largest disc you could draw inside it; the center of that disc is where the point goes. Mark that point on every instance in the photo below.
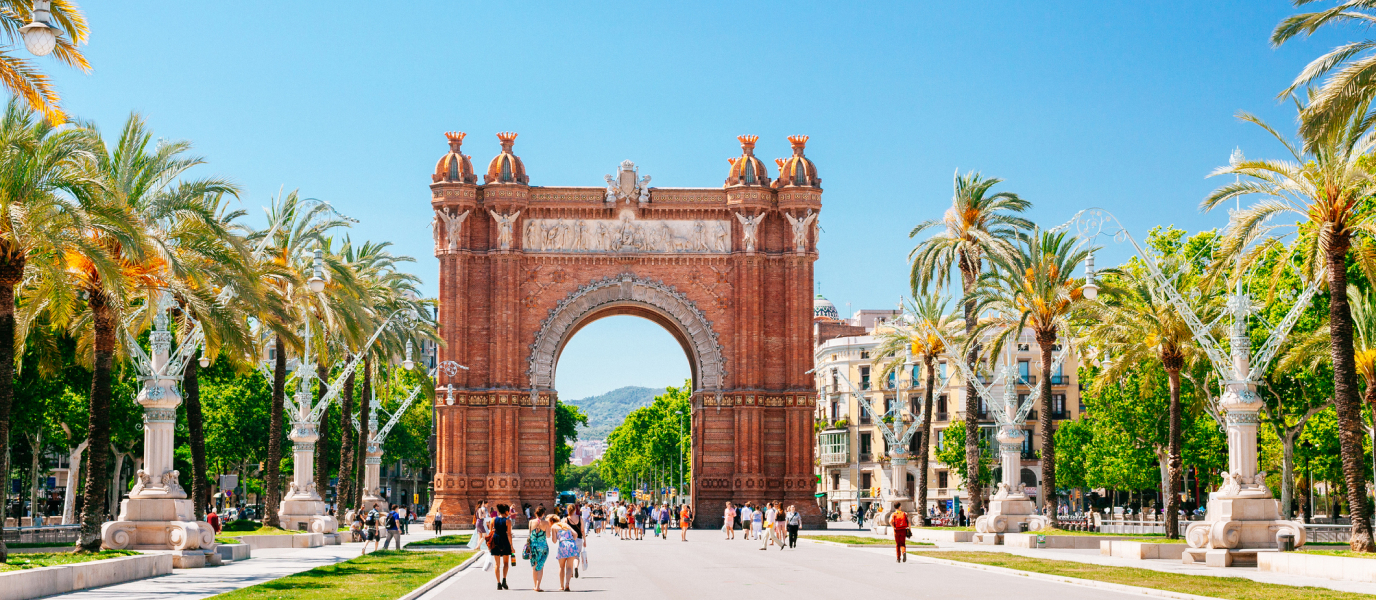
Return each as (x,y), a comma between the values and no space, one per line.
(504,224)
(627,184)
(453,225)
(645,188)
(749,225)
(800,227)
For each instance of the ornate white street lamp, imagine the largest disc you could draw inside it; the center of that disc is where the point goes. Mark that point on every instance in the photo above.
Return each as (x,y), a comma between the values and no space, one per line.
(40,36)
(372,462)
(1243,516)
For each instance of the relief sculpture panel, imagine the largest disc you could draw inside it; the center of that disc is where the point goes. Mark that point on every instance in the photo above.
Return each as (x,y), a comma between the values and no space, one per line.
(627,234)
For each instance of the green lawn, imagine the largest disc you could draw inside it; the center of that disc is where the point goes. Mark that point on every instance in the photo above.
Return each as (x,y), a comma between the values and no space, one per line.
(1134,536)
(1231,588)
(382,574)
(444,540)
(30,561)
(860,540)
(1336,551)
(61,545)
(232,537)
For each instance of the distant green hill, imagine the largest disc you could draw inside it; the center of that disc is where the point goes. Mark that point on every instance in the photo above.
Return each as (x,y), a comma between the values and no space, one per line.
(607,411)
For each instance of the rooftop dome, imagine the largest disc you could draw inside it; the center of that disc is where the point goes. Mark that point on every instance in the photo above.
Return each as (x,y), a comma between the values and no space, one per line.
(746,169)
(797,170)
(454,167)
(824,309)
(506,167)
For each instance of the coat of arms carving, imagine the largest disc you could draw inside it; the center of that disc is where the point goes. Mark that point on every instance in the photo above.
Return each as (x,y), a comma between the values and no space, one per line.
(628,185)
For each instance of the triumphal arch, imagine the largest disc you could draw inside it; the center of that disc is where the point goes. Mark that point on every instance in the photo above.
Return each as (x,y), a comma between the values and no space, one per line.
(726,270)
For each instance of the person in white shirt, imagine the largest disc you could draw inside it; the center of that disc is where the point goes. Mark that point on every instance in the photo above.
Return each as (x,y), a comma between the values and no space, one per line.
(745,521)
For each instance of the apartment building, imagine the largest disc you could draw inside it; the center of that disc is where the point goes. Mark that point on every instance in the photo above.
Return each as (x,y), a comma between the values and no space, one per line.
(854,459)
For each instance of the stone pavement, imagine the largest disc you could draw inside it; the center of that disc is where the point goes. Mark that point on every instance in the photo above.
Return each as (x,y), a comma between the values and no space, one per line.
(266,565)
(708,567)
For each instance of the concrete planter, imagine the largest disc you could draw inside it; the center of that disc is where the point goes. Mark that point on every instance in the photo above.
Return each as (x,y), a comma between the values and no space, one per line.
(941,535)
(296,540)
(1077,542)
(46,581)
(1313,565)
(229,552)
(1141,550)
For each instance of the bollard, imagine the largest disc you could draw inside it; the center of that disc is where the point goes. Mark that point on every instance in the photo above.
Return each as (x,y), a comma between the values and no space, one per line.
(1286,542)
(1022,527)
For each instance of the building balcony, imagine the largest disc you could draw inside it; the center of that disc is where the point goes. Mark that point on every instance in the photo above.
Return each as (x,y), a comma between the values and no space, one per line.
(1027,380)
(829,459)
(867,494)
(941,416)
(1060,380)
(1060,415)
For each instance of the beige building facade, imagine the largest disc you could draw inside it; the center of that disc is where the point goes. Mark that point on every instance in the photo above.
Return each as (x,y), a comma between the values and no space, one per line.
(854,460)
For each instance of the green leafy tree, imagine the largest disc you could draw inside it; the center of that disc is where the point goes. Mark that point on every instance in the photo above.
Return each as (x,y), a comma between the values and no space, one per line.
(652,438)
(566,421)
(951,452)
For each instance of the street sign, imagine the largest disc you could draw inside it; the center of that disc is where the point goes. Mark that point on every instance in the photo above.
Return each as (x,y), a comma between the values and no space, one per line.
(229,482)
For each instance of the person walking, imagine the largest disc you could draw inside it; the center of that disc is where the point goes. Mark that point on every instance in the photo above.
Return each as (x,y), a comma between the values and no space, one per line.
(794,519)
(899,521)
(566,551)
(685,516)
(664,516)
(393,528)
(729,520)
(779,530)
(768,527)
(577,523)
(756,521)
(537,546)
(405,514)
(438,523)
(480,526)
(370,531)
(745,517)
(499,543)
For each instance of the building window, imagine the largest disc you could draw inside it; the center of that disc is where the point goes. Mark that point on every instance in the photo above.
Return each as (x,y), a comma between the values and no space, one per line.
(1058,406)
(1027,451)
(941,408)
(864,378)
(983,408)
(940,437)
(865,480)
(864,354)
(865,448)
(1023,370)
(835,409)
(916,376)
(865,417)
(835,481)
(834,447)
(888,405)
(942,480)
(943,370)
(915,444)
(893,377)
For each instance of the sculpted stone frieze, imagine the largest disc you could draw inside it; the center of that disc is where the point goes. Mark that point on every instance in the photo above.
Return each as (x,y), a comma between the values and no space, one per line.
(627,234)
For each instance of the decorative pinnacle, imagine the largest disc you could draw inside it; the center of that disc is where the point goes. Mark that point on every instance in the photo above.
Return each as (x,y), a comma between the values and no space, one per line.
(780,162)
(455,139)
(799,142)
(748,143)
(508,138)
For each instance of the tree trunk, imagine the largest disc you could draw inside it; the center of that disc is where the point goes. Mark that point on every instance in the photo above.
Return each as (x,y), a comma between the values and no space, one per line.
(195,425)
(924,451)
(974,486)
(114,478)
(1171,487)
(1287,480)
(105,322)
(1345,398)
(344,493)
(322,462)
(11,271)
(35,463)
(273,478)
(1045,339)
(73,472)
(364,407)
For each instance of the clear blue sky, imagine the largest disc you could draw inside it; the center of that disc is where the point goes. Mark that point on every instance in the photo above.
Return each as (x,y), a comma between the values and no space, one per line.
(1122,105)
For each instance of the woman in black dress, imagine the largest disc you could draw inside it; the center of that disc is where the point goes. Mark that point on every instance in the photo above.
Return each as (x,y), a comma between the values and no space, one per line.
(500,544)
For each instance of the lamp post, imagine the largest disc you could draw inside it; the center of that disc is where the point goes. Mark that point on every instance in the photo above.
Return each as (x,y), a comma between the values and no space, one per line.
(1309,478)
(680,455)
(1242,516)
(372,463)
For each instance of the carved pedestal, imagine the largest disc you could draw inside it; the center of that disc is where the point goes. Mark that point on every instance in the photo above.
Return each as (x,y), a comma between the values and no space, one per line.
(1243,518)
(1010,507)
(302,508)
(372,480)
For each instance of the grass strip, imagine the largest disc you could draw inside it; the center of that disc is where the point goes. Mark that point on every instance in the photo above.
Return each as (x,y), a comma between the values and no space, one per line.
(444,540)
(1343,552)
(1231,588)
(382,574)
(19,562)
(266,530)
(60,545)
(856,540)
(1134,536)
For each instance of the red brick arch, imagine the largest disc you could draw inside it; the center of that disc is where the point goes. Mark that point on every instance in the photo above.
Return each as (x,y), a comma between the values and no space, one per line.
(523,268)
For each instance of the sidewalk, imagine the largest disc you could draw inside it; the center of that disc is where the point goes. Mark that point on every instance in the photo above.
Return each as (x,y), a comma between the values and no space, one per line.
(266,565)
(1169,566)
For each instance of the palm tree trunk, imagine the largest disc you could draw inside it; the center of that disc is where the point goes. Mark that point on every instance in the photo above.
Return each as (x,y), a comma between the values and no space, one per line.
(924,452)
(322,460)
(273,477)
(974,486)
(1345,398)
(344,493)
(1045,339)
(1175,461)
(195,425)
(365,406)
(97,463)
(11,271)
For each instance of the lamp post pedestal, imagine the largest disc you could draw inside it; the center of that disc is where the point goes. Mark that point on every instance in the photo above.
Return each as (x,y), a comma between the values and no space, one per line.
(157,515)
(1243,517)
(1009,508)
(372,480)
(302,508)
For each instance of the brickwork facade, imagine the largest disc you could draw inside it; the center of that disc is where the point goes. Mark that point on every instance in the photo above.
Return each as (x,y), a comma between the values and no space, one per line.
(727,271)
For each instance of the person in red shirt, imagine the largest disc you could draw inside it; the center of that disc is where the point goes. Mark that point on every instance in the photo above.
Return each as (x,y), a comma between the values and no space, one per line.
(899,522)
(214,520)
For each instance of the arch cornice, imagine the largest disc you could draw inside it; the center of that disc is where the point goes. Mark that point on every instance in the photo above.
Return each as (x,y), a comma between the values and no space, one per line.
(570,313)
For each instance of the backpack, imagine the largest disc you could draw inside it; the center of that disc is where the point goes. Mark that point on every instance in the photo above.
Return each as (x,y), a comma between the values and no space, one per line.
(392,520)
(900,520)
(372,520)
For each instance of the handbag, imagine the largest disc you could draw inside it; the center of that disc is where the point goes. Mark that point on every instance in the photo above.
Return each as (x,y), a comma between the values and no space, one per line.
(488,562)
(525,552)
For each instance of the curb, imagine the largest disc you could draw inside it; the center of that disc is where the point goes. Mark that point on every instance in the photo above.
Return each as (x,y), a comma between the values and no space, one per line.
(1103,585)
(441,578)
(841,545)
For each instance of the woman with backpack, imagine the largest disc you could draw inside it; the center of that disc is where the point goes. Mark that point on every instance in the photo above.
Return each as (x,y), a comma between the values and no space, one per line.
(899,521)
(370,531)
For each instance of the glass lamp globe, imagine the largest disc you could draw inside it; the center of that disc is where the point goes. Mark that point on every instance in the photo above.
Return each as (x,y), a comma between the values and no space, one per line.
(408,364)
(205,361)
(1091,291)
(317,284)
(39,38)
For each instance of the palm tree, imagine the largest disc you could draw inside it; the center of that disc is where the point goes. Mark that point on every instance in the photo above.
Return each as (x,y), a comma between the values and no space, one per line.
(43,186)
(19,76)
(295,227)
(1032,287)
(1321,193)
(929,313)
(978,225)
(1350,68)
(1135,324)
